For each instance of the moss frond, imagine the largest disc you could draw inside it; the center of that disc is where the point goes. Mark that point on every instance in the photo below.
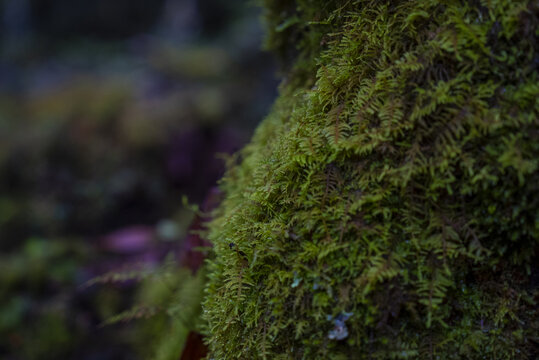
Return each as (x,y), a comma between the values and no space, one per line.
(395,179)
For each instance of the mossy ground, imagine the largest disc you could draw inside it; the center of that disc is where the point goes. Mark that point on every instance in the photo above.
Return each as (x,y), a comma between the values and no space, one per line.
(395,179)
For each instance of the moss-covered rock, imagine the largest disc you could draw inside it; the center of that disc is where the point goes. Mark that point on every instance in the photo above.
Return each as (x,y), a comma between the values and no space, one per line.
(387,208)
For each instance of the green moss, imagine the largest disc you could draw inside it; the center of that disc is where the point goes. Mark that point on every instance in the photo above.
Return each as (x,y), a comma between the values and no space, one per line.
(395,179)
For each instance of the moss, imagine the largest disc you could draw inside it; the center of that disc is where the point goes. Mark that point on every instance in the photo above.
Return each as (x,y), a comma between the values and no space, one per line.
(387,207)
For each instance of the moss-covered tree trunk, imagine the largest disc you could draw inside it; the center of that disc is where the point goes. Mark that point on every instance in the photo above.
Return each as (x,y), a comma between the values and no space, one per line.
(387,208)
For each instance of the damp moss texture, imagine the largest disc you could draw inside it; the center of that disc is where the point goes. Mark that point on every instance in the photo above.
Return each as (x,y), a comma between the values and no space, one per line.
(387,208)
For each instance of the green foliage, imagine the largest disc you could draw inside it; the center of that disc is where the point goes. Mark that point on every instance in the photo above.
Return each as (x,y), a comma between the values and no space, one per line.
(395,179)
(171,300)
(167,307)
(34,324)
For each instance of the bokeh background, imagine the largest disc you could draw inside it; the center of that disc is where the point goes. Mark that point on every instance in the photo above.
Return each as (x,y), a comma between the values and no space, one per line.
(116,118)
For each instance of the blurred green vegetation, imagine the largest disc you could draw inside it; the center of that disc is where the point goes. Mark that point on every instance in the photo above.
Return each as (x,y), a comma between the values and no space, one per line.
(101,133)
(35,288)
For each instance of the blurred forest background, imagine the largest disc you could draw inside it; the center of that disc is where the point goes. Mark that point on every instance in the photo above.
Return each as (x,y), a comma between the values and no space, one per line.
(110,112)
